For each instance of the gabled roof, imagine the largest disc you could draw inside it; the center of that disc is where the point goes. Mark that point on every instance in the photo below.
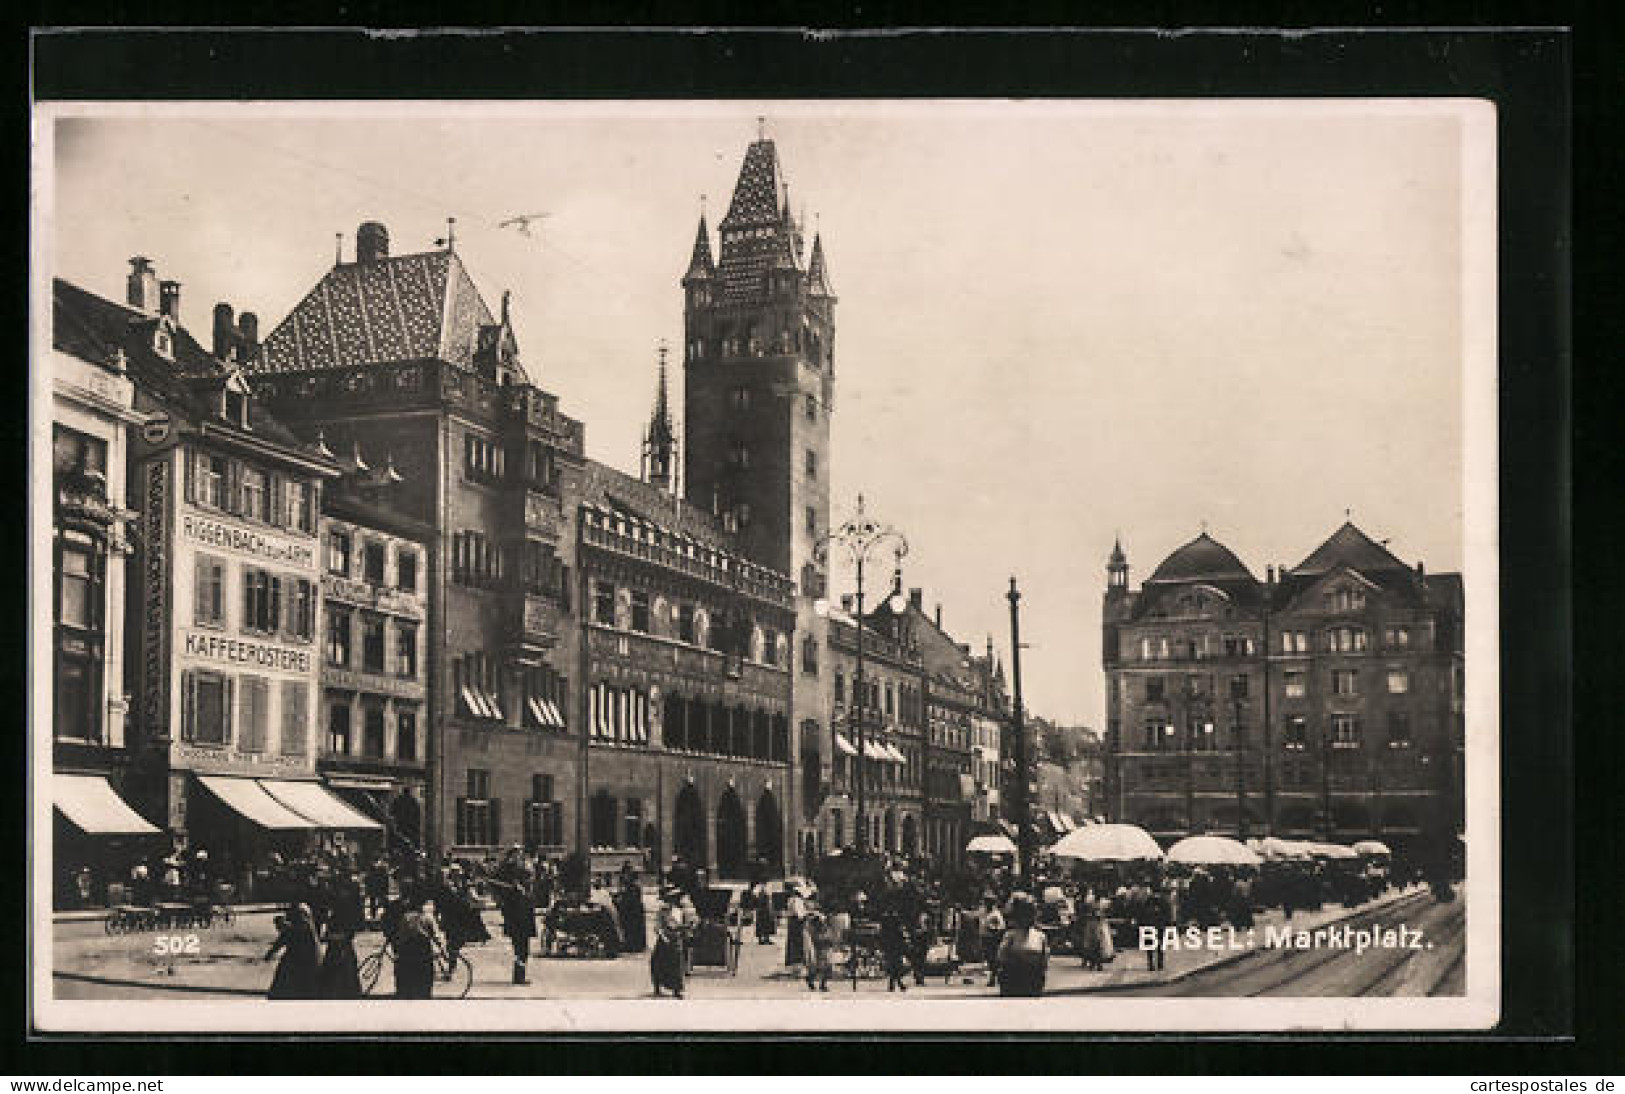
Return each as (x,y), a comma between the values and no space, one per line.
(398,308)
(608,488)
(1348,546)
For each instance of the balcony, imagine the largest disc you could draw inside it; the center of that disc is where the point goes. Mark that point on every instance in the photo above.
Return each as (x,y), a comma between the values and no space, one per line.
(539,620)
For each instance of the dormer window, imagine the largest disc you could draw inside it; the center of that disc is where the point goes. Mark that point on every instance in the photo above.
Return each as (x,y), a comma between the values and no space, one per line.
(163,343)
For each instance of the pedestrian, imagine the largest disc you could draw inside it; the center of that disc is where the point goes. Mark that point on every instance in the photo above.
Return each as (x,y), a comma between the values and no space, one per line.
(795,910)
(893,944)
(84,886)
(919,944)
(460,920)
(377,888)
(1094,936)
(764,915)
(1023,953)
(339,976)
(629,909)
(992,936)
(1155,913)
(295,975)
(816,946)
(415,941)
(666,959)
(512,887)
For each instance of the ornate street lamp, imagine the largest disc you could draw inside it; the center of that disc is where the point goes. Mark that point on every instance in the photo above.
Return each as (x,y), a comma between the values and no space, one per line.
(859,536)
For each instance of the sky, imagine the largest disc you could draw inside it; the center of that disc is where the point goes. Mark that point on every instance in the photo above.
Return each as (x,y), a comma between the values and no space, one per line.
(1058,323)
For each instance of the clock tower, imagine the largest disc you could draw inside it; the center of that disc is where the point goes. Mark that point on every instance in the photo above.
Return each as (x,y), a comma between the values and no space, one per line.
(759,383)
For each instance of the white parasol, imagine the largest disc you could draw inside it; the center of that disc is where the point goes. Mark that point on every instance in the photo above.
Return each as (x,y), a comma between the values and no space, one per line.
(1212,851)
(1371,847)
(991,845)
(1108,843)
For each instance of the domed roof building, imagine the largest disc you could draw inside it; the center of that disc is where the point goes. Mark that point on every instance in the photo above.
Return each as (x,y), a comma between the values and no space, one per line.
(1202,559)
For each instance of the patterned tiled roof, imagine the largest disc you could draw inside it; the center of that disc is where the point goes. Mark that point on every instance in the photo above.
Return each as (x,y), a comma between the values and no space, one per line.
(818,271)
(700,266)
(401,308)
(756,234)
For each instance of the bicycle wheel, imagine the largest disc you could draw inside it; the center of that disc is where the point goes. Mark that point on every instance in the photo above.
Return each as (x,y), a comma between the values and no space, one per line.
(462,978)
(370,971)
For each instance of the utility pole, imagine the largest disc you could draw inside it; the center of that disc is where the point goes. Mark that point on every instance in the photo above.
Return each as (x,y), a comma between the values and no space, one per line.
(1024,840)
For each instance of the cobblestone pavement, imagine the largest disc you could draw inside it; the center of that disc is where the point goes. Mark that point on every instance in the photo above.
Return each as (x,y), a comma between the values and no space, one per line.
(229,961)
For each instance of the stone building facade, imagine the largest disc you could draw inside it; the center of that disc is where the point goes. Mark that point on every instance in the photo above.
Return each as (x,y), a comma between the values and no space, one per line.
(1323,701)
(396,361)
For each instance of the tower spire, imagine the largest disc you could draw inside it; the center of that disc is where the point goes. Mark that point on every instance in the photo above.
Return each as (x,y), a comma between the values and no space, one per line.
(660,439)
(818,271)
(700,266)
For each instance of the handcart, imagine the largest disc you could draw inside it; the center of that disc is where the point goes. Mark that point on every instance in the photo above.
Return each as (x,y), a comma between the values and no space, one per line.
(581,930)
(719,936)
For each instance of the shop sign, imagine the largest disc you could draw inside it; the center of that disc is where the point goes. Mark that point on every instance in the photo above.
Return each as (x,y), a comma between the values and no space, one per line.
(225,649)
(219,535)
(212,758)
(154,577)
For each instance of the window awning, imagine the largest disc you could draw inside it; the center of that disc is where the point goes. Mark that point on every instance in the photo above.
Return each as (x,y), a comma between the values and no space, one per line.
(361,782)
(313,800)
(95,807)
(844,745)
(893,754)
(872,751)
(251,800)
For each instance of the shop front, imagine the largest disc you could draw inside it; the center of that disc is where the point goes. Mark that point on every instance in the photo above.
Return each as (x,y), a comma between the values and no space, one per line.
(98,839)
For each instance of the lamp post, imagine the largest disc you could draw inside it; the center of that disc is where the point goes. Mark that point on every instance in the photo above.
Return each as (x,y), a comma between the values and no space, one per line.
(1024,820)
(858,537)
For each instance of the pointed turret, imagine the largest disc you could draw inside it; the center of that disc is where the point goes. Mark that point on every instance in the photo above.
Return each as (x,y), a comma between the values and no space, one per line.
(818,271)
(700,266)
(660,439)
(1117,566)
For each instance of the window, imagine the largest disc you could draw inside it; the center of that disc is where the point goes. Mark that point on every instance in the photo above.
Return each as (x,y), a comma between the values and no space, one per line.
(210,594)
(262,601)
(1296,738)
(1345,682)
(811,460)
(206,713)
(601,820)
(1238,687)
(812,408)
(372,732)
(812,521)
(640,612)
(739,455)
(1294,685)
(211,487)
(685,622)
(256,494)
(338,728)
(338,552)
(78,703)
(1345,731)
(372,563)
(1157,734)
(1196,686)
(406,571)
(406,650)
(809,655)
(1199,735)
(1346,640)
(1154,691)
(338,636)
(840,686)
(544,815)
(544,571)
(77,596)
(1397,637)
(76,453)
(406,734)
(474,676)
(634,823)
(1294,642)
(482,459)
(253,713)
(770,646)
(476,561)
(1399,681)
(603,603)
(295,711)
(301,609)
(544,469)
(1345,600)
(477,813)
(890,702)
(1399,729)
(297,510)
(372,643)
(544,698)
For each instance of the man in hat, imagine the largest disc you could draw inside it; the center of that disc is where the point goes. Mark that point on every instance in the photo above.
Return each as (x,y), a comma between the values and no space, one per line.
(512,887)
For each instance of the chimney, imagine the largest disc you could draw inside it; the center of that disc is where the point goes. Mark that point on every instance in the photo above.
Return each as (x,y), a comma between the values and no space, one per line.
(371,242)
(248,325)
(939,617)
(169,300)
(916,599)
(224,328)
(1269,574)
(1421,573)
(142,291)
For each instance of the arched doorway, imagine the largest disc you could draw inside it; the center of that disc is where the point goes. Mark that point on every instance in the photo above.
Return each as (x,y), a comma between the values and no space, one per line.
(688,835)
(731,841)
(891,831)
(911,838)
(769,834)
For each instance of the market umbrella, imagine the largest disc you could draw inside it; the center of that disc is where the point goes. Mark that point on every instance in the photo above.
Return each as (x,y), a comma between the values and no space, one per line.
(1331,850)
(992,845)
(1371,847)
(1277,849)
(1108,843)
(1212,851)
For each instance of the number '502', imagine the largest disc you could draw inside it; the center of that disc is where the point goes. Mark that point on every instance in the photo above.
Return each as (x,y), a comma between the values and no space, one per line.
(175,944)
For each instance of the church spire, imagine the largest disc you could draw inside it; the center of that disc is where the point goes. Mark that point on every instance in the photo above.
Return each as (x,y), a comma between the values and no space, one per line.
(660,439)
(818,271)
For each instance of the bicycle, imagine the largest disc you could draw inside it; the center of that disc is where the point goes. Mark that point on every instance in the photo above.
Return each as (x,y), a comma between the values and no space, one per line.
(457,977)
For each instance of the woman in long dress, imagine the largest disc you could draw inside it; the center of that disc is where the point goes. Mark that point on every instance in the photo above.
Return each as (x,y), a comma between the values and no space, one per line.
(1023,953)
(295,976)
(415,944)
(666,959)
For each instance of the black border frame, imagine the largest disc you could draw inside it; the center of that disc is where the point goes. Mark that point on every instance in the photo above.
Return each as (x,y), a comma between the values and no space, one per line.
(1525,72)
